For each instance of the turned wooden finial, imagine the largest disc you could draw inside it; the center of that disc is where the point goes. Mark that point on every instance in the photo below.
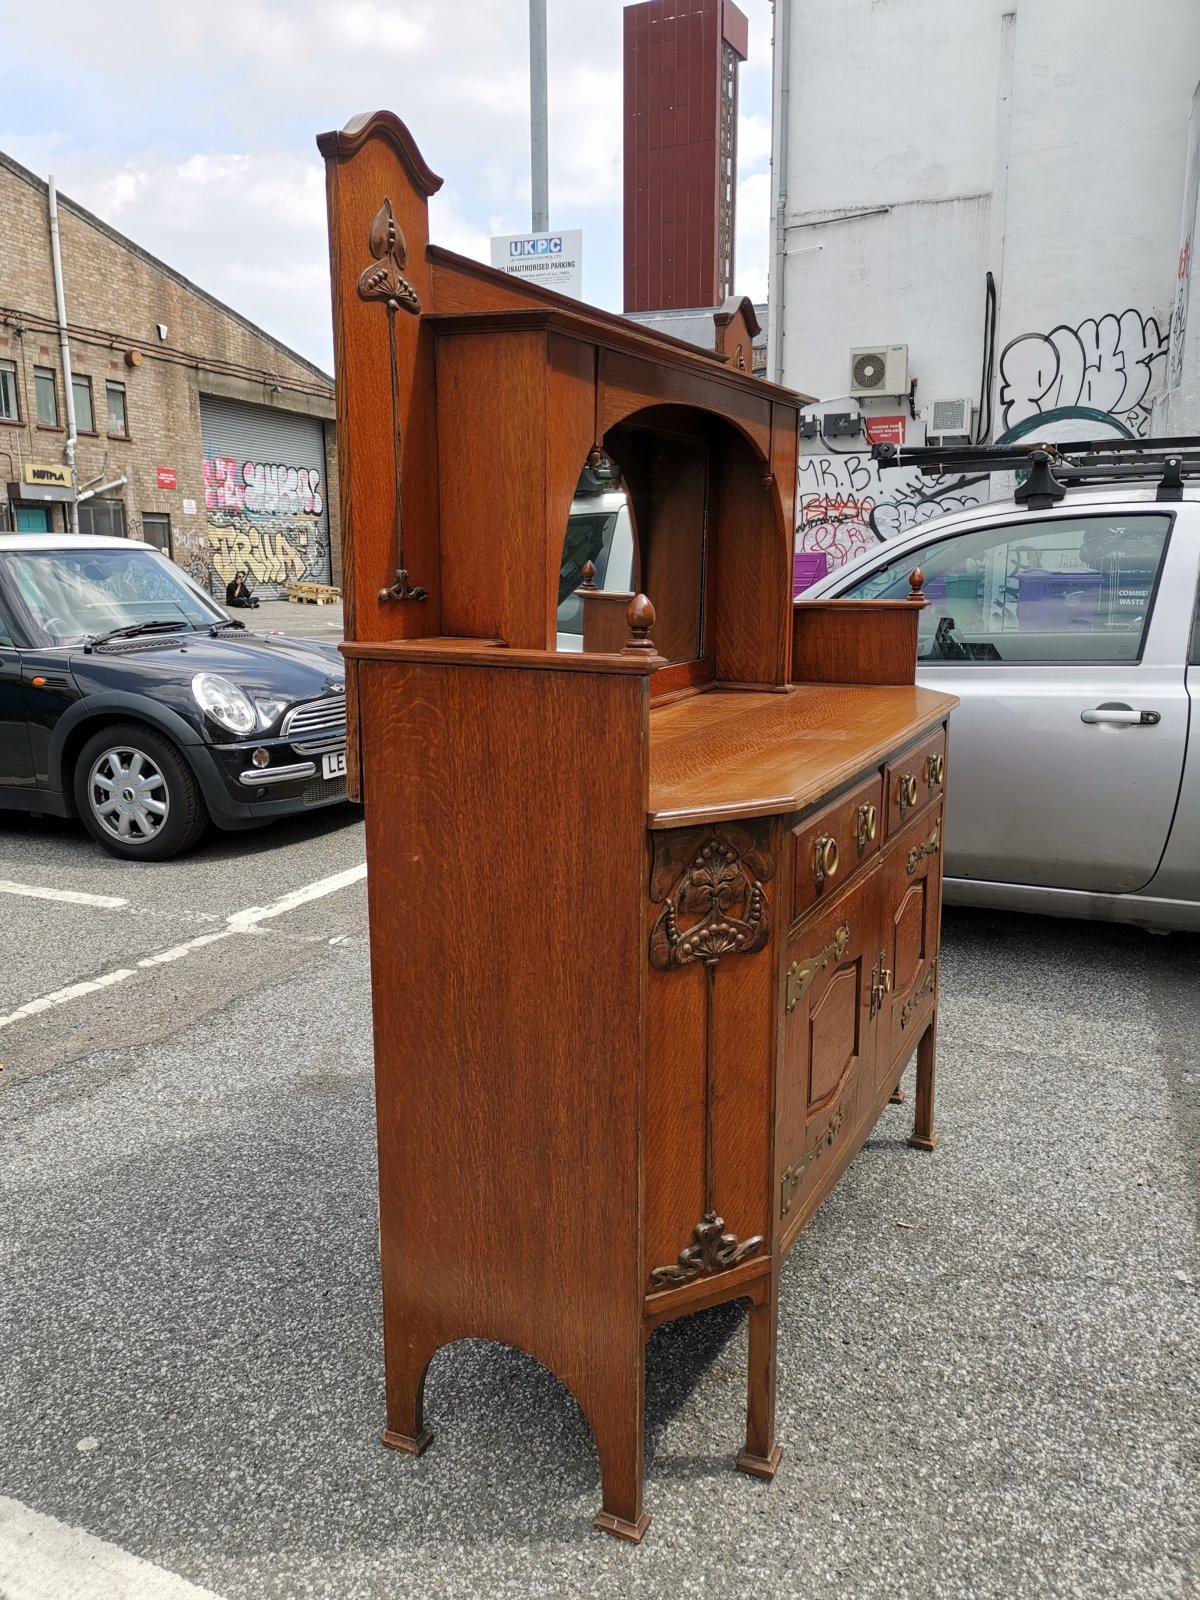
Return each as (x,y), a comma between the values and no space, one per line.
(640,619)
(916,582)
(588,580)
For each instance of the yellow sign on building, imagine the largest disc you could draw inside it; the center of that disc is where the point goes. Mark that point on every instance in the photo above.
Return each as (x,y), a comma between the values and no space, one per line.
(46,475)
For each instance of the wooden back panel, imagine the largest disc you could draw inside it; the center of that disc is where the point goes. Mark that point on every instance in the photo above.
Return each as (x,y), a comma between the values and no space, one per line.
(508,973)
(855,641)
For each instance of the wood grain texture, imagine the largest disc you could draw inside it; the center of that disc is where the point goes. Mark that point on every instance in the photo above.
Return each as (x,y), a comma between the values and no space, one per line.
(735,753)
(854,641)
(752,551)
(499,1111)
(492,387)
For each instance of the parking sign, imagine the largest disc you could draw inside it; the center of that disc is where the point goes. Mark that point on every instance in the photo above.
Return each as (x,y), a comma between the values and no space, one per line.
(554,260)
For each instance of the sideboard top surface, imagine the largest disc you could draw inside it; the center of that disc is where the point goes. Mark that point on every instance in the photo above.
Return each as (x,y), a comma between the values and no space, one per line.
(739,753)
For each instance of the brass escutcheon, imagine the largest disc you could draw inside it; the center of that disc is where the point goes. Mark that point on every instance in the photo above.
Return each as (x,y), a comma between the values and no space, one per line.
(825,859)
(868,819)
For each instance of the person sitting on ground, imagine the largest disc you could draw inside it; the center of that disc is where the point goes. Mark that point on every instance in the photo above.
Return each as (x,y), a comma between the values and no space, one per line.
(237,592)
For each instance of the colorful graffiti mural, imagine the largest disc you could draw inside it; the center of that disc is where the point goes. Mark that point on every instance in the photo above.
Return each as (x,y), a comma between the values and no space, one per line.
(267,519)
(845,504)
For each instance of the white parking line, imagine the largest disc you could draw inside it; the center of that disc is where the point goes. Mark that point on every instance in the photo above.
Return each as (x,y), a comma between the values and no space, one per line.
(42,1559)
(245,921)
(71,897)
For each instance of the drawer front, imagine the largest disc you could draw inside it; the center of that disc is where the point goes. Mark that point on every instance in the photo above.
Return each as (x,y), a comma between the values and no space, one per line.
(832,846)
(914,781)
(827,1041)
(904,987)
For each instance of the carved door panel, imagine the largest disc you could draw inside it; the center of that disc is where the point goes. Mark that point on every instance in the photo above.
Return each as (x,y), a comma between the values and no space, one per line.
(828,1042)
(904,979)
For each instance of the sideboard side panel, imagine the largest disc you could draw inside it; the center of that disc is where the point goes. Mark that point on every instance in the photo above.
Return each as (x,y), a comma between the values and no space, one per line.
(505,840)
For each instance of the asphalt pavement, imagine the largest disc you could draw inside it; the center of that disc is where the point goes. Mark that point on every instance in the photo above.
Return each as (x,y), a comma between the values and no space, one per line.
(988,1378)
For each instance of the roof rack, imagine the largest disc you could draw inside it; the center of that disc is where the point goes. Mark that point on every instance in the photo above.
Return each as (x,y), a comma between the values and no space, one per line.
(1052,467)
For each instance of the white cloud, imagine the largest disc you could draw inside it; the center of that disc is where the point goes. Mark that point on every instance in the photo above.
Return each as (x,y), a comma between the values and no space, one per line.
(212,163)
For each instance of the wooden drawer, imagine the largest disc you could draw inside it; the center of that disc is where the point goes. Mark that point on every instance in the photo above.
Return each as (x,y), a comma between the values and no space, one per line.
(914,780)
(833,845)
(827,1044)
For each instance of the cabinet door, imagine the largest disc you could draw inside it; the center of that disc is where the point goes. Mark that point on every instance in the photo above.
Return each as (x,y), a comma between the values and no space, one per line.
(904,981)
(828,1042)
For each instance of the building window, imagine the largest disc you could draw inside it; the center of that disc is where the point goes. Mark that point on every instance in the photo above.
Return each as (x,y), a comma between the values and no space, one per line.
(106,517)
(85,419)
(46,393)
(118,422)
(10,410)
(156,530)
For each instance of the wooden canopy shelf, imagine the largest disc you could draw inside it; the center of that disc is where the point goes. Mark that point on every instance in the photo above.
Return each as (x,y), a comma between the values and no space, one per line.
(654,919)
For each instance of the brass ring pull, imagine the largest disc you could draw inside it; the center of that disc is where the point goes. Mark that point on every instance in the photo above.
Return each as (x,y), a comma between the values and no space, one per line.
(935,770)
(825,859)
(868,819)
(908,790)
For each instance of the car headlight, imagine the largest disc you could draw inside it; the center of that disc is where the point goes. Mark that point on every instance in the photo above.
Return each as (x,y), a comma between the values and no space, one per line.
(269,707)
(224,702)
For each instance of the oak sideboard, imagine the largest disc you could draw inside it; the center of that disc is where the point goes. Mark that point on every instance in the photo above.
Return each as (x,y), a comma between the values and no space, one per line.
(655,906)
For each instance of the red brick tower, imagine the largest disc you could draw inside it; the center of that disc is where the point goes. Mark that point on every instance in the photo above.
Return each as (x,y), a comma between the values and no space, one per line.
(681,84)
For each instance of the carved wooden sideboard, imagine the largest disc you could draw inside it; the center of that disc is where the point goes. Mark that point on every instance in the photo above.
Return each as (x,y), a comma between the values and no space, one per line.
(653,936)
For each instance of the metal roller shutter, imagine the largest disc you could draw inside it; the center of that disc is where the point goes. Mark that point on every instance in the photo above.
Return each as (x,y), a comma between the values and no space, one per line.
(264,494)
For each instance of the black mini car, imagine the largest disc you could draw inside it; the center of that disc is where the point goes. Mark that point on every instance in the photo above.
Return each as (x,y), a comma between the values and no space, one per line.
(130,699)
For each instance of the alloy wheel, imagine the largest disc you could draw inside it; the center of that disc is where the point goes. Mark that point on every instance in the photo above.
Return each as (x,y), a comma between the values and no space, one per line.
(128,795)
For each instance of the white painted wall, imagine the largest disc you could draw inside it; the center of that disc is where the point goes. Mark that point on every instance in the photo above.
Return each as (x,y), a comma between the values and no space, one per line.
(1044,141)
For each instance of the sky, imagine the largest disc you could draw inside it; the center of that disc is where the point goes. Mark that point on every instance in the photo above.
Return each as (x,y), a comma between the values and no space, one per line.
(191,128)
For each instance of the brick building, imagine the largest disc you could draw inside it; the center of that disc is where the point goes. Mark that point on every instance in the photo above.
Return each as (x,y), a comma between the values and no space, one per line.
(681,62)
(197,431)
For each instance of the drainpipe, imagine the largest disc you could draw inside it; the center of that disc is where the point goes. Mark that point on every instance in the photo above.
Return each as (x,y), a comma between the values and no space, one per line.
(60,303)
(782,73)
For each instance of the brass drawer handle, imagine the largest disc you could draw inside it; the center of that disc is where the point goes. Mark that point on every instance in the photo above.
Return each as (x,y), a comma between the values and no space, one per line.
(868,821)
(935,771)
(825,859)
(908,790)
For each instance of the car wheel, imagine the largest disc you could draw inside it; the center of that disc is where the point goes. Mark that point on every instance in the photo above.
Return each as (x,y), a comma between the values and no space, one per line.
(137,795)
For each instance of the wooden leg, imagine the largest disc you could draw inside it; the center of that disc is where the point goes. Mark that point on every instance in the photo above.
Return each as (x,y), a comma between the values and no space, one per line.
(896,1098)
(617,1420)
(923,1137)
(762,1453)
(406,1430)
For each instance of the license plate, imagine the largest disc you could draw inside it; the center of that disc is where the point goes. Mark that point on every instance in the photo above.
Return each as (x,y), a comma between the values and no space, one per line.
(334,764)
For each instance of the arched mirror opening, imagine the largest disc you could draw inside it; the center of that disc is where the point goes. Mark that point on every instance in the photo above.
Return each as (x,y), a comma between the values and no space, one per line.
(639,523)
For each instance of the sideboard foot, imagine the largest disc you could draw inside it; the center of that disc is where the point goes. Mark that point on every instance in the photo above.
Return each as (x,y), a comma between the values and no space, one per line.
(760,1466)
(412,1445)
(923,1136)
(896,1098)
(630,1531)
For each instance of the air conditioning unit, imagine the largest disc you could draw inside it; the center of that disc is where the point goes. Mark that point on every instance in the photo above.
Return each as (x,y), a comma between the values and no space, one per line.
(879,369)
(949,422)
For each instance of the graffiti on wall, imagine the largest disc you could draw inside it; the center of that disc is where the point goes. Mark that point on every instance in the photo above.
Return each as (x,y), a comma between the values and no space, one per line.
(1111,366)
(845,503)
(265,518)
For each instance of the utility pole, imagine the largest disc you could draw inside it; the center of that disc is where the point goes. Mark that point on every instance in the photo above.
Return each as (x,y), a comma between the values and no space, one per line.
(539,160)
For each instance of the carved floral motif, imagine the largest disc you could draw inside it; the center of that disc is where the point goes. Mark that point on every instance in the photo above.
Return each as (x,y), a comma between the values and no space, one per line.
(383,279)
(717,907)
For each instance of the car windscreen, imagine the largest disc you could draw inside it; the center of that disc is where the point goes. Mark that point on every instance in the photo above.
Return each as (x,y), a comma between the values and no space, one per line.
(72,595)
(589,537)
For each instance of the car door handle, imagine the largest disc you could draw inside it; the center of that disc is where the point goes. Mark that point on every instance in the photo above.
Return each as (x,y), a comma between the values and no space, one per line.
(1122,715)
